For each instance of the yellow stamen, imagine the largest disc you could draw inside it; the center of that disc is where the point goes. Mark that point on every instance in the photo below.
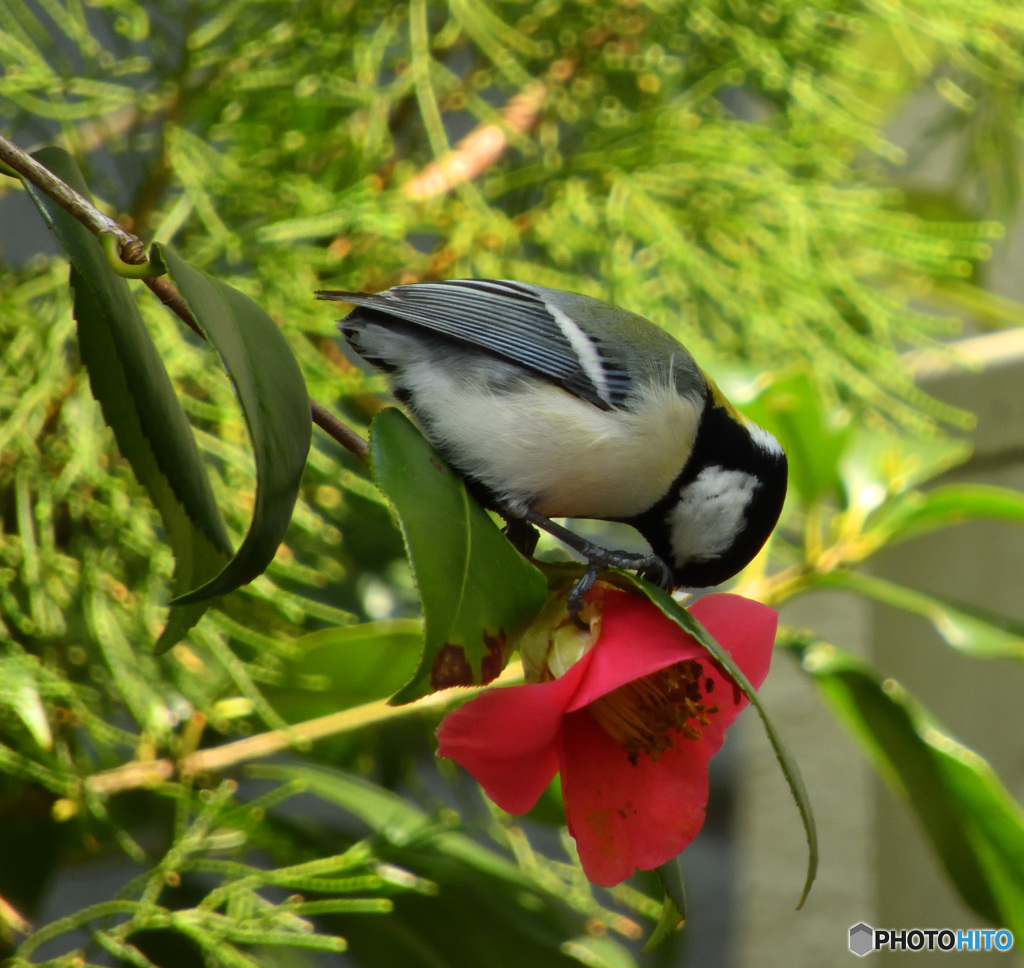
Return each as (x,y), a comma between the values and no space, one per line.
(645,715)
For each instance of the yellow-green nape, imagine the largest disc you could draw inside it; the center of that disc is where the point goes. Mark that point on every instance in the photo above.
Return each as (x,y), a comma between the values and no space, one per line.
(721,400)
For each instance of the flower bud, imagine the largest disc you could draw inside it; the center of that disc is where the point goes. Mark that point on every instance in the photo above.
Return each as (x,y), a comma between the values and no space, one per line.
(554,642)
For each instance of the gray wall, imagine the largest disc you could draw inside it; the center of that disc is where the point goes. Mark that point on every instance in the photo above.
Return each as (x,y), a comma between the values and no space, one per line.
(875,864)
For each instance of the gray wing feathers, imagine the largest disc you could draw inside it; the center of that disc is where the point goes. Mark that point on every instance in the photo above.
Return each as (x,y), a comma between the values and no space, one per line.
(512,320)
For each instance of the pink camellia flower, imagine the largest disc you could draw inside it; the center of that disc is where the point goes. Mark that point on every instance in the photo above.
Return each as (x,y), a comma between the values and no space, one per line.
(629,714)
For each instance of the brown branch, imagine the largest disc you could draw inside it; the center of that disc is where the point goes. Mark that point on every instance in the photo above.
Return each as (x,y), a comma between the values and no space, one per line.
(167,293)
(80,208)
(133,251)
(485,144)
(11,922)
(151,773)
(342,433)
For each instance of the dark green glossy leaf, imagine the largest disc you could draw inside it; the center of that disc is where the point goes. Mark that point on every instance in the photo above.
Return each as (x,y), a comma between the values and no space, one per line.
(922,511)
(790,770)
(974,825)
(477,591)
(968,629)
(138,401)
(346,666)
(275,404)
(995,825)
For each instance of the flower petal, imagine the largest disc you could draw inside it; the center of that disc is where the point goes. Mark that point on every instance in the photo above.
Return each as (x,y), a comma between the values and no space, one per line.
(744,627)
(638,639)
(508,738)
(624,815)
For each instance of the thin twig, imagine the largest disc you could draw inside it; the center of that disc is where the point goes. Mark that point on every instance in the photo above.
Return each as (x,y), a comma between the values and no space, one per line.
(342,433)
(80,208)
(480,149)
(133,251)
(486,143)
(165,291)
(11,921)
(151,773)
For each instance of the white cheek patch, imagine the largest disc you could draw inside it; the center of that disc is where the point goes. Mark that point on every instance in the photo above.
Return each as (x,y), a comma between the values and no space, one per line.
(711,513)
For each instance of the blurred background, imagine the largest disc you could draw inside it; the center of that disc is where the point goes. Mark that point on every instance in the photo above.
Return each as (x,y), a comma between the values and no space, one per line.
(820,199)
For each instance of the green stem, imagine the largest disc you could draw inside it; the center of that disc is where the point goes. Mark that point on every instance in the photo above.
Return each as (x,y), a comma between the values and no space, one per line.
(125,254)
(111,246)
(28,169)
(137,774)
(92,913)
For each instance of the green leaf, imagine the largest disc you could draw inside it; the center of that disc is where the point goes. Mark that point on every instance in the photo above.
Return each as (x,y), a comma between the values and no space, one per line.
(346,666)
(19,692)
(275,404)
(790,770)
(813,437)
(878,465)
(922,511)
(673,908)
(129,381)
(974,825)
(477,591)
(968,629)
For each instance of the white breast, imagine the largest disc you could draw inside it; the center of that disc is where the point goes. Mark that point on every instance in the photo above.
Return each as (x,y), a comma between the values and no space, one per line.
(537,444)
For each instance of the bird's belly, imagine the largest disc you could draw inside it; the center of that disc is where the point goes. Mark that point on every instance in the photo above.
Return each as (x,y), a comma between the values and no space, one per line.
(539,446)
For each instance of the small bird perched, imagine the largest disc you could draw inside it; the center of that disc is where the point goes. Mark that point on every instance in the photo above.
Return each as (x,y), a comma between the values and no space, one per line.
(554,404)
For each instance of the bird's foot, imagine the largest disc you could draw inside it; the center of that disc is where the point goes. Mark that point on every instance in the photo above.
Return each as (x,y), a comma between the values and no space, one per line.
(650,567)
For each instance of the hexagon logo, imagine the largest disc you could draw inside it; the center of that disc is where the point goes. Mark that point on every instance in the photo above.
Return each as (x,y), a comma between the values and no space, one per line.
(862,939)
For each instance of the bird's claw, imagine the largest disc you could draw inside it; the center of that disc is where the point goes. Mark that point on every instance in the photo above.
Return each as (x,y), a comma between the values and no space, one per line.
(650,567)
(579,591)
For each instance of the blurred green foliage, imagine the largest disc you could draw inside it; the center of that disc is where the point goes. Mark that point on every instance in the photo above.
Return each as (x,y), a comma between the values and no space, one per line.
(727,168)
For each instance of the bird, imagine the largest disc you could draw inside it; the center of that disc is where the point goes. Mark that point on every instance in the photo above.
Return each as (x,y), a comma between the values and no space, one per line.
(553,404)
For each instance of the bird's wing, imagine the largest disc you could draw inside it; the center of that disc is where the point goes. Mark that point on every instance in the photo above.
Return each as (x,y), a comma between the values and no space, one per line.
(520,323)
